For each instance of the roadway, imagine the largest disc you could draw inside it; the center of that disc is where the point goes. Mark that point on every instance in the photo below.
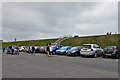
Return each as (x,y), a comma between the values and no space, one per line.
(42,66)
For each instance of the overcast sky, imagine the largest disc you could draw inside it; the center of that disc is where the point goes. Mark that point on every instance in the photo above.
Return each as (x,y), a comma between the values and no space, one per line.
(41,20)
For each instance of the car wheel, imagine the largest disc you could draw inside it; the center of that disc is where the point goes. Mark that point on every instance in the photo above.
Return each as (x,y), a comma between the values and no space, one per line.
(76,54)
(82,55)
(53,53)
(117,56)
(95,55)
(103,56)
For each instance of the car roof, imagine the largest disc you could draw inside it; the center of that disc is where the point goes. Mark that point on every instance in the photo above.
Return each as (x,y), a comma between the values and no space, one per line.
(75,46)
(111,46)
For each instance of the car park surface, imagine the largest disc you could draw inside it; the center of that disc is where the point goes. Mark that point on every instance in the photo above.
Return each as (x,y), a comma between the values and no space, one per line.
(42,66)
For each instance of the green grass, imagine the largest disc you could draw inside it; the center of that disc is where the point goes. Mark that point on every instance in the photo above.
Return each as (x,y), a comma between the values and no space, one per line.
(103,40)
(29,43)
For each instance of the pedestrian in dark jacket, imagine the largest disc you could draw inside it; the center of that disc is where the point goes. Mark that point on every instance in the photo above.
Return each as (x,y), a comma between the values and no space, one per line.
(50,47)
(48,50)
(33,49)
(12,50)
(3,49)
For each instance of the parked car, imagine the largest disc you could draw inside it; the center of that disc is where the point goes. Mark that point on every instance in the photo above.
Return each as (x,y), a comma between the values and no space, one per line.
(55,47)
(42,49)
(63,50)
(91,50)
(16,51)
(22,48)
(74,51)
(29,49)
(111,51)
(37,49)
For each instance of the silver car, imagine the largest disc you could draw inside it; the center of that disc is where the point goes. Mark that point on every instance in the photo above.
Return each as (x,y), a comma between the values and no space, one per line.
(91,50)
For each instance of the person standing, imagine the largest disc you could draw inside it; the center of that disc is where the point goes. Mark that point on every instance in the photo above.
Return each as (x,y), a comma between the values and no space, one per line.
(9,50)
(33,49)
(12,50)
(3,49)
(48,50)
(16,51)
(110,33)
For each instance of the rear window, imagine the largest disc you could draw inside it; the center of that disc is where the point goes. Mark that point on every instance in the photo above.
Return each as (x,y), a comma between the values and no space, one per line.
(86,46)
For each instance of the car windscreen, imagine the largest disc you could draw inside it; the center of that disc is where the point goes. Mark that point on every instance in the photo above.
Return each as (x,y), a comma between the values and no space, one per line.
(63,48)
(74,48)
(86,46)
(54,46)
(42,47)
(109,48)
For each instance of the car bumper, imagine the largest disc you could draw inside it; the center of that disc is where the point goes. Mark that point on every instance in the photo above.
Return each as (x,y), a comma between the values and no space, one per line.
(87,53)
(62,53)
(109,55)
(71,54)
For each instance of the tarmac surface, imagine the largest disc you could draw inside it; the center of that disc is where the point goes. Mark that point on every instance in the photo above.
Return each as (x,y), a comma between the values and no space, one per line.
(42,66)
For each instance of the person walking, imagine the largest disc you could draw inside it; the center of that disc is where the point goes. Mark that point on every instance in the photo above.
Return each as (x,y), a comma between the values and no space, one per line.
(48,50)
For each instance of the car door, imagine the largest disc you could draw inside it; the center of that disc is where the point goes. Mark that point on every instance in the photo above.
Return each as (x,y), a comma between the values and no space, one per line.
(98,49)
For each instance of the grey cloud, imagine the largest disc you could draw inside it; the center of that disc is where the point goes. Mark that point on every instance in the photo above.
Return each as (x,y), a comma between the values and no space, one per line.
(54,19)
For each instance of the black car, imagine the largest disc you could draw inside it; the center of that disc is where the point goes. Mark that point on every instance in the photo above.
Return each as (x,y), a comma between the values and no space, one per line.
(111,51)
(74,51)
(37,49)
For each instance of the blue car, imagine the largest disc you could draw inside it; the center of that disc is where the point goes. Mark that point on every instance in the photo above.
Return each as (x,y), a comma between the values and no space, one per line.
(55,47)
(63,50)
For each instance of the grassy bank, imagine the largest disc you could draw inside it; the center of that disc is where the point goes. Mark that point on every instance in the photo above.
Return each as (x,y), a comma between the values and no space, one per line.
(103,40)
(29,43)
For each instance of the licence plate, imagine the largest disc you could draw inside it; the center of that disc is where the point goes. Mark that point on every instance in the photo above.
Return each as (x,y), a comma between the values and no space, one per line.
(108,54)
